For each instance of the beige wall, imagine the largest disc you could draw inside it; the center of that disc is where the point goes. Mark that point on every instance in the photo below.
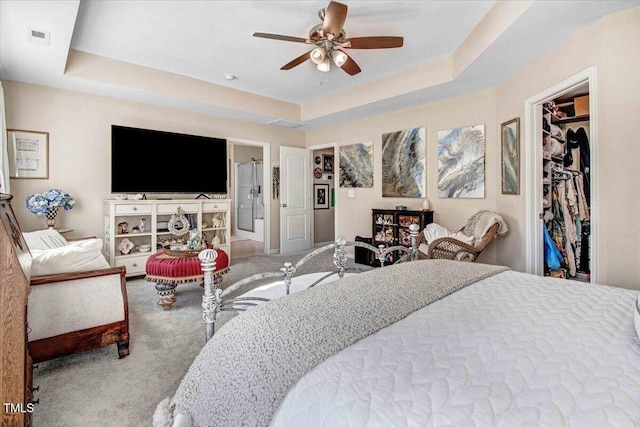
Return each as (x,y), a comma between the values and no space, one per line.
(79,127)
(353,215)
(607,44)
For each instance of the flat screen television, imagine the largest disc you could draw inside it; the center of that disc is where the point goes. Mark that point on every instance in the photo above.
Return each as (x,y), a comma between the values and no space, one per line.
(151,161)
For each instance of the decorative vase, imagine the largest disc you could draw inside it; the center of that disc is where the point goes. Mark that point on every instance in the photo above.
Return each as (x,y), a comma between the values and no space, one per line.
(216,241)
(425,204)
(51,216)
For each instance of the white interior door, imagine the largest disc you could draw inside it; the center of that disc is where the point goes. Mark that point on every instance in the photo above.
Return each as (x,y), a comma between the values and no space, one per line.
(295,199)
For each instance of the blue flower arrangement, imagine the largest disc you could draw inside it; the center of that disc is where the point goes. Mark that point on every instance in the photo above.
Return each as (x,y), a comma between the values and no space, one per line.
(50,200)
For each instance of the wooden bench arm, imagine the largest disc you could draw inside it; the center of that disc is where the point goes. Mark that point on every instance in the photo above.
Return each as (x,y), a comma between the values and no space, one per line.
(53,278)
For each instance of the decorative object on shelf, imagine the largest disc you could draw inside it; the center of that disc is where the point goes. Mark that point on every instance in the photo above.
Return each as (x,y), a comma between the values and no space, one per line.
(195,242)
(138,196)
(204,225)
(425,205)
(144,248)
(321,196)
(217,223)
(28,153)
(327,162)
(120,196)
(511,156)
(404,163)
(461,162)
(48,203)
(135,229)
(216,241)
(275,182)
(317,173)
(356,165)
(125,246)
(143,223)
(401,208)
(123,227)
(179,224)
(318,160)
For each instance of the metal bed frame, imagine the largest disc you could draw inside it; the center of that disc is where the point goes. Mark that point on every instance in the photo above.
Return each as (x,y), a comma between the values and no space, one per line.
(216,300)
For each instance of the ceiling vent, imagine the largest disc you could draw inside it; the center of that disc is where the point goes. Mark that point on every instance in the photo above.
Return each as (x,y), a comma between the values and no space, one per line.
(285,123)
(39,37)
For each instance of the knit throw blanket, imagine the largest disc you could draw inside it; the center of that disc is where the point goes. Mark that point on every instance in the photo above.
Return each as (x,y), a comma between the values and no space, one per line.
(244,372)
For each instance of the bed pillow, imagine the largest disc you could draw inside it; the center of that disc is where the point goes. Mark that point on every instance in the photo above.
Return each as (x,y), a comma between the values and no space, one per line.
(44,239)
(636,316)
(83,255)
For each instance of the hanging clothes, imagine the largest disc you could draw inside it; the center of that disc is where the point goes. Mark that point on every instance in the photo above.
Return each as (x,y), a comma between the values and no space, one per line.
(585,161)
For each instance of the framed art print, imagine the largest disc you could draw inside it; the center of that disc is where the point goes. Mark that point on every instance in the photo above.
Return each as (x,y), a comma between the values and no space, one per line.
(327,162)
(510,137)
(321,196)
(28,154)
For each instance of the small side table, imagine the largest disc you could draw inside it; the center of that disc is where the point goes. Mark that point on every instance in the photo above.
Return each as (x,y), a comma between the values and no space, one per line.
(170,268)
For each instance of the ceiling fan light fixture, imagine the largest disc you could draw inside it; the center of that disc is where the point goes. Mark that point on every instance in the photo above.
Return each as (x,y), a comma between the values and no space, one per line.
(339,57)
(318,55)
(324,66)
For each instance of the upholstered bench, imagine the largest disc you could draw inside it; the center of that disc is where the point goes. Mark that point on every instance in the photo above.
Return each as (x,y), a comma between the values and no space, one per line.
(167,270)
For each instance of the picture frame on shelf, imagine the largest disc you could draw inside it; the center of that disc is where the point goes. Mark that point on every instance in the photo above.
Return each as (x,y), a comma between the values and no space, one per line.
(321,196)
(28,153)
(510,164)
(327,163)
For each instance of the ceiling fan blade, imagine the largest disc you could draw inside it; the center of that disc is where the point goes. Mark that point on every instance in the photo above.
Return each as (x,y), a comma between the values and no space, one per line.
(350,66)
(375,42)
(281,37)
(299,60)
(334,18)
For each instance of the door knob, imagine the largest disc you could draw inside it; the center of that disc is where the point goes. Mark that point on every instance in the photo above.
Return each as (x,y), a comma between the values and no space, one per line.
(284,205)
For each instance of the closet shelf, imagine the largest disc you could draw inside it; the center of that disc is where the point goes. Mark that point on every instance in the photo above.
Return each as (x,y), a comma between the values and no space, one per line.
(556,119)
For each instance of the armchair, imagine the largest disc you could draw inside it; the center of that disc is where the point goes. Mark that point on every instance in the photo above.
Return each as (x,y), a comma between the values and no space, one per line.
(467,243)
(77,301)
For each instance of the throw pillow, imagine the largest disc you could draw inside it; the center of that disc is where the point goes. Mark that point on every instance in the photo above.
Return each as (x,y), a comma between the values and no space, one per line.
(44,239)
(83,255)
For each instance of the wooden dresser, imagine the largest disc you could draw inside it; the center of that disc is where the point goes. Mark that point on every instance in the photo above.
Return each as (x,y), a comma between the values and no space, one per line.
(15,363)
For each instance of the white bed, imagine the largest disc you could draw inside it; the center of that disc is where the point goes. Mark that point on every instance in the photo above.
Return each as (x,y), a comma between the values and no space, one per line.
(510,349)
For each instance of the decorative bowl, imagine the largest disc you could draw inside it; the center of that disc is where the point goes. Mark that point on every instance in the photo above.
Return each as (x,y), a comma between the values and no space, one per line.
(144,248)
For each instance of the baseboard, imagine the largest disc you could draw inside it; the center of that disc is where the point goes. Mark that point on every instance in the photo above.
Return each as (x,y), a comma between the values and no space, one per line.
(317,245)
(274,251)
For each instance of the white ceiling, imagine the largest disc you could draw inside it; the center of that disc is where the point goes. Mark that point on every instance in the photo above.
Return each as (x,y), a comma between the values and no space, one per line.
(206,39)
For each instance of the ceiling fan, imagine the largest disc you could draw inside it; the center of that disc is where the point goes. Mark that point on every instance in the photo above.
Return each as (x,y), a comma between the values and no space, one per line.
(329,38)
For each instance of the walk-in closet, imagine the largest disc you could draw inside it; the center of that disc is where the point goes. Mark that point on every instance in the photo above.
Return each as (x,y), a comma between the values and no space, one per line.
(566,185)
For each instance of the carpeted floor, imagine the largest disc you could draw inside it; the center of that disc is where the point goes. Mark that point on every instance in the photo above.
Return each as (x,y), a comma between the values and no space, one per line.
(96,388)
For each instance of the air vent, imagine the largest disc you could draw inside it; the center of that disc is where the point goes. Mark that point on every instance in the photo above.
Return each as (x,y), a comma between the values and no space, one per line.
(39,37)
(285,123)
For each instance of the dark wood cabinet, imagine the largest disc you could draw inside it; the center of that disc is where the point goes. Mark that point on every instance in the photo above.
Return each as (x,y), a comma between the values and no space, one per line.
(390,227)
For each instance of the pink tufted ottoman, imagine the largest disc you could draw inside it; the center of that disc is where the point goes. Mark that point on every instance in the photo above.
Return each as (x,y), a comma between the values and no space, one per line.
(167,271)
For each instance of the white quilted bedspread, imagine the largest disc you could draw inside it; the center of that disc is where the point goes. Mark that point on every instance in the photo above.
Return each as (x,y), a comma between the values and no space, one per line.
(511,350)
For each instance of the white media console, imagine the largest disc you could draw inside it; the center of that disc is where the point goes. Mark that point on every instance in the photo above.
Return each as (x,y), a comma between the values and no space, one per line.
(211,217)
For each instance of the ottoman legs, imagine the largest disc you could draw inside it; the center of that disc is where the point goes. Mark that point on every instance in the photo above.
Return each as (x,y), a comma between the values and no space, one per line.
(166,294)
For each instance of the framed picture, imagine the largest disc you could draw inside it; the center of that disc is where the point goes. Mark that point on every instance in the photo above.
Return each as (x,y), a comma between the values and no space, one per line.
(321,196)
(327,162)
(510,135)
(28,154)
